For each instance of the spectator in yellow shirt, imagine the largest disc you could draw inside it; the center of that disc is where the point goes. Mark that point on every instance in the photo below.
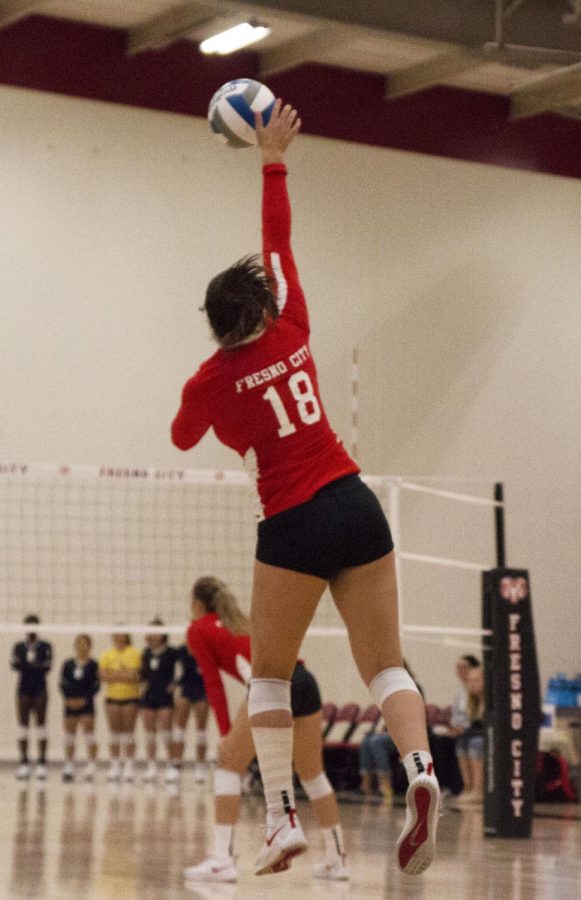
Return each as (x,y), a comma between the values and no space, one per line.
(120,671)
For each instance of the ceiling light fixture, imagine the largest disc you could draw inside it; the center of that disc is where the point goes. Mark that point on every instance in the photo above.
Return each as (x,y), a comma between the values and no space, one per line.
(234,38)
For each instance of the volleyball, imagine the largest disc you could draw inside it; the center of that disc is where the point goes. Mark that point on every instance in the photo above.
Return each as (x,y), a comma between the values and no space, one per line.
(232,108)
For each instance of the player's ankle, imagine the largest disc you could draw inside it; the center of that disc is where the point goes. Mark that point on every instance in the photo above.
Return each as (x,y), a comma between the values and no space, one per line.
(418,762)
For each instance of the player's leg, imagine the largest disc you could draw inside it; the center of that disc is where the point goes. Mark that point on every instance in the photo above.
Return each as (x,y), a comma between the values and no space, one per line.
(180,720)
(164,720)
(39,707)
(149,717)
(129,713)
(88,726)
(114,721)
(235,752)
(201,710)
(308,761)
(366,598)
(70,724)
(283,604)
(23,709)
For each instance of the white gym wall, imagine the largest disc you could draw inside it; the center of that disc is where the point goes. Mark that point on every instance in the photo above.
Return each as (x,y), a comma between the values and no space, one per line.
(459,283)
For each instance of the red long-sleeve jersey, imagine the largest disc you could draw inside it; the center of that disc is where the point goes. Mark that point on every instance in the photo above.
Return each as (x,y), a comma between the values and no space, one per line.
(218,650)
(262,399)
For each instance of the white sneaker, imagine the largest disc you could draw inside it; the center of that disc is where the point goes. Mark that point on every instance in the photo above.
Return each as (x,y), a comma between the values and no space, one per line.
(23,772)
(416,846)
(200,773)
(40,772)
(89,770)
(150,772)
(172,775)
(128,770)
(335,870)
(213,869)
(283,842)
(68,772)
(114,773)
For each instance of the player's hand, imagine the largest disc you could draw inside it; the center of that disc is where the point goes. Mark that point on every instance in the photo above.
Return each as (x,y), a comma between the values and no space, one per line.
(274,138)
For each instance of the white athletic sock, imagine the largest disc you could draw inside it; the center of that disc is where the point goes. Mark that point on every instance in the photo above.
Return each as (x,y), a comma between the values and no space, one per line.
(418,762)
(334,843)
(223,841)
(274,749)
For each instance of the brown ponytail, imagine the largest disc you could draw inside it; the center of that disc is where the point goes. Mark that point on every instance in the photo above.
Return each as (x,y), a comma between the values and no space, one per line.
(216,597)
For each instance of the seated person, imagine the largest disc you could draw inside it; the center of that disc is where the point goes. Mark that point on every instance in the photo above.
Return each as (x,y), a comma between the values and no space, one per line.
(375,754)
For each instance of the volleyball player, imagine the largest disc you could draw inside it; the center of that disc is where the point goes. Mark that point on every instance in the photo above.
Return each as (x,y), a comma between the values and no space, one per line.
(158,663)
(320,525)
(32,658)
(120,670)
(190,695)
(218,636)
(79,683)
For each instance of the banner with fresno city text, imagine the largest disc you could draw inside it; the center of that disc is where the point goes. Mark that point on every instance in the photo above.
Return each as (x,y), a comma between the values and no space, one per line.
(512,698)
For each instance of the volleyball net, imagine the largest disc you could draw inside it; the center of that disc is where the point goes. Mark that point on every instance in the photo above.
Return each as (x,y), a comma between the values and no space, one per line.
(95,547)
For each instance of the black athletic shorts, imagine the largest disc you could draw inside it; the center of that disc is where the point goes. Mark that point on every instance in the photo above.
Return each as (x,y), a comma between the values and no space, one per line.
(87,710)
(156,700)
(342,526)
(195,691)
(305,694)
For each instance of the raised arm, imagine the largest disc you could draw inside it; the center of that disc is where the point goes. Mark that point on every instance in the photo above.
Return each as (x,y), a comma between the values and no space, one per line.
(273,140)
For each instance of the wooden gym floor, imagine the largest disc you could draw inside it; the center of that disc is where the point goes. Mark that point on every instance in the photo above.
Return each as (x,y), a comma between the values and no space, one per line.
(130,842)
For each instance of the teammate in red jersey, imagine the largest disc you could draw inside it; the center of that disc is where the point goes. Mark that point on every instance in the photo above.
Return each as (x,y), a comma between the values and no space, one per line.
(320,524)
(219,638)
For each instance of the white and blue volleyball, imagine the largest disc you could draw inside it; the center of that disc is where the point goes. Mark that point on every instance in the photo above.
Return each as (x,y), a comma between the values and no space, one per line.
(232,108)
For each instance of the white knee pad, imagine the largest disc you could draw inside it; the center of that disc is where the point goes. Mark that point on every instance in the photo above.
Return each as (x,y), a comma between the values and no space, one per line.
(150,739)
(267,694)
(226,783)
(178,734)
(70,740)
(23,732)
(389,682)
(126,740)
(201,739)
(90,740)
(41,734)
(316,788)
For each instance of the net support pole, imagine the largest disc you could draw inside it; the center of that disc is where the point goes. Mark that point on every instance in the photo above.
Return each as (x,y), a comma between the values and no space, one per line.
(512,703)
(395,527)
(499,526)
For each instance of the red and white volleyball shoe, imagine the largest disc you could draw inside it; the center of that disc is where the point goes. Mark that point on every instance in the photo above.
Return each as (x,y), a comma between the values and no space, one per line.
(332,870)
(283,842)
(416,846)
(223,871)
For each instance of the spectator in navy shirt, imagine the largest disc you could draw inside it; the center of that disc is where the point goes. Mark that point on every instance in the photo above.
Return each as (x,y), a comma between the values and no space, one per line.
(32,659)
(79,682)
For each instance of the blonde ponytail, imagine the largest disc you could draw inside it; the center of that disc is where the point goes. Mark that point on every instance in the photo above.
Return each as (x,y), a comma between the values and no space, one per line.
(216,597)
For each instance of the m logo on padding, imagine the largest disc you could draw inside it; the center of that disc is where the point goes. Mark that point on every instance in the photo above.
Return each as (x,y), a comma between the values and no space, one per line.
(514,589)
